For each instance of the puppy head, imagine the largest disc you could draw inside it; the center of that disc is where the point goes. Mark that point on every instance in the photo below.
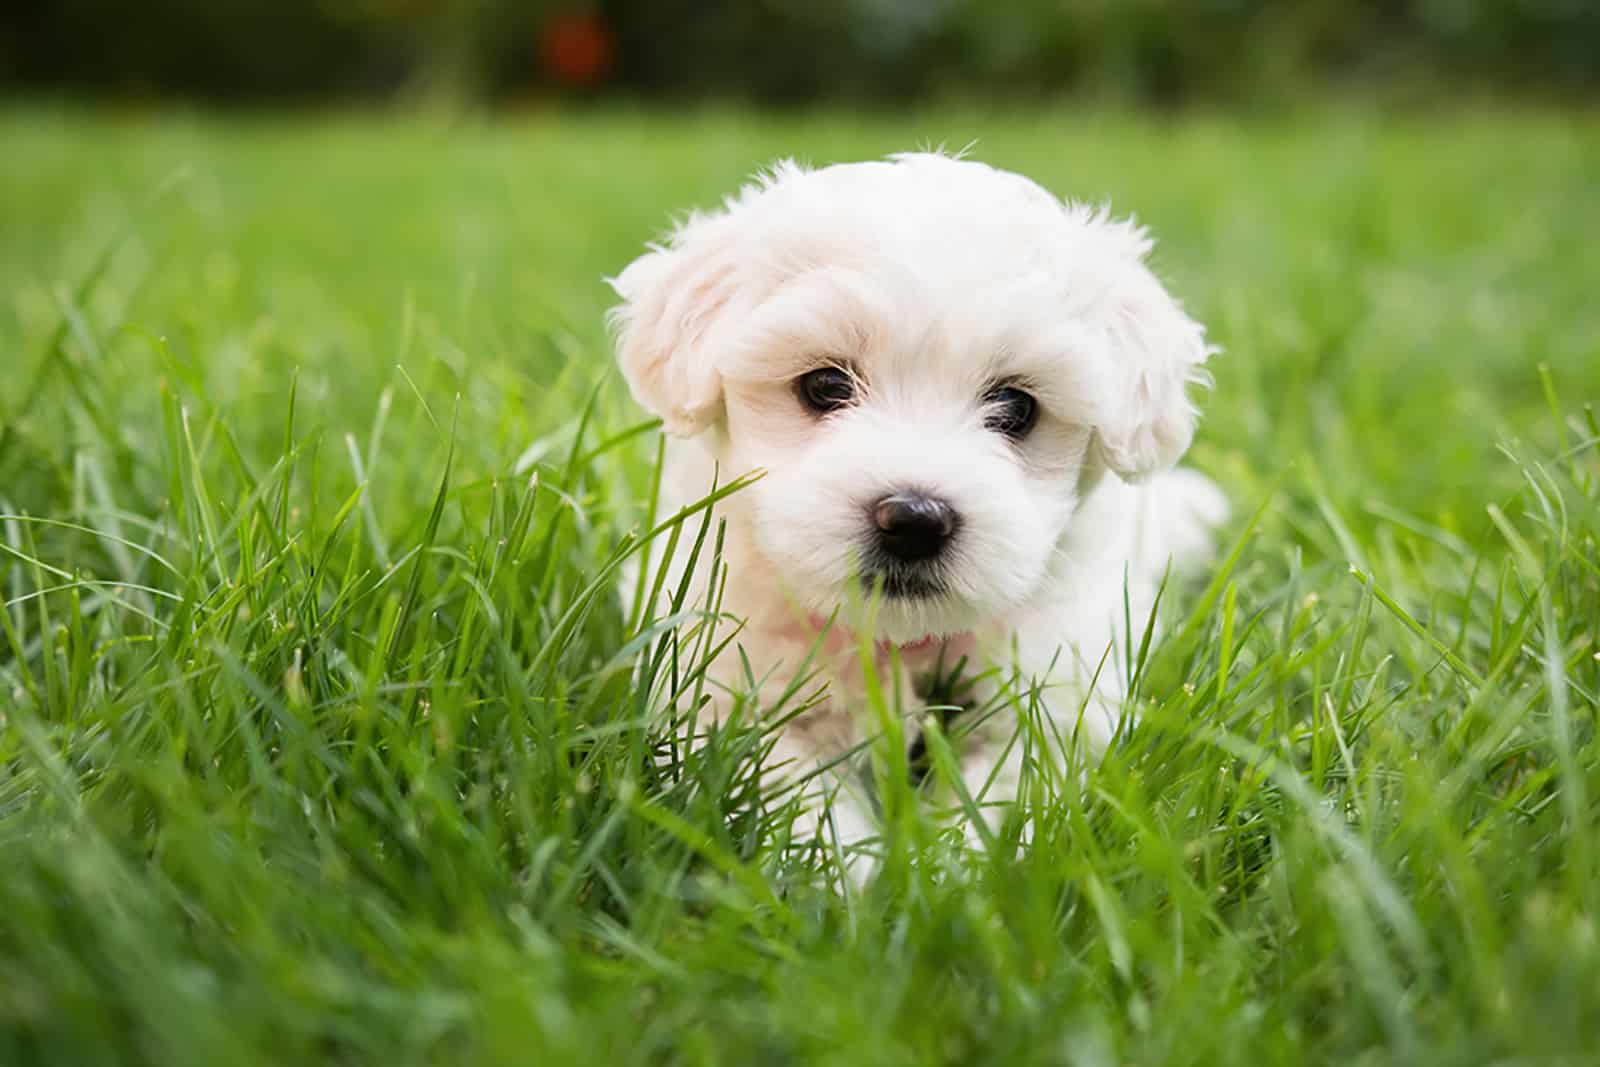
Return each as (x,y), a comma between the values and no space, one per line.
(931,359)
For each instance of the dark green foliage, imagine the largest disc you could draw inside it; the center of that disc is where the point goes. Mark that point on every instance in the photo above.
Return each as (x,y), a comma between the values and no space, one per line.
(790,52)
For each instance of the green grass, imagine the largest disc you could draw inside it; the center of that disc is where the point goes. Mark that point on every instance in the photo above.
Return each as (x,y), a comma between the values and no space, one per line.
(323,736)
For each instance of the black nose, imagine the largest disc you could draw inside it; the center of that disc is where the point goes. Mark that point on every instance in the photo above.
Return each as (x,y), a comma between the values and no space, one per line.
(913,527)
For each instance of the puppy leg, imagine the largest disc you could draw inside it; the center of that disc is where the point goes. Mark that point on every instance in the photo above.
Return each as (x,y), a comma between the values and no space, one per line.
(834,811)
(991,774)
(1067,727)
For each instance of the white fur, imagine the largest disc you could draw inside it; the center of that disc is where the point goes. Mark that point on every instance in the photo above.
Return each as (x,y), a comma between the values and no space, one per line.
(934,278)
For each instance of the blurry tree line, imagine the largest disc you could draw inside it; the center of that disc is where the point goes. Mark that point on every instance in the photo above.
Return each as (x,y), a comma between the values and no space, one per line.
(790,51)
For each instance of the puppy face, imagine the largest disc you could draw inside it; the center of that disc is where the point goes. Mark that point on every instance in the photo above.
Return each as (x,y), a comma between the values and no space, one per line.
(932,360)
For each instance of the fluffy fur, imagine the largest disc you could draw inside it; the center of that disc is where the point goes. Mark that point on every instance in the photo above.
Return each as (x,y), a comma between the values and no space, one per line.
(931,279)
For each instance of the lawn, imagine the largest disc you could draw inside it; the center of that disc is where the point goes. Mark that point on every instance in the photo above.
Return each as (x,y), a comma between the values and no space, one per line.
(325,737)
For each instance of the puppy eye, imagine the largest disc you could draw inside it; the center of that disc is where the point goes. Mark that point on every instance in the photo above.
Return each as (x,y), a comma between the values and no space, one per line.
(826,389)
(1011,411)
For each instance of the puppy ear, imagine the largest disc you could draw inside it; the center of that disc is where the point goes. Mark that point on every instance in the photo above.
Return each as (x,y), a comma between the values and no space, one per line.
(674,298)
(1156,351)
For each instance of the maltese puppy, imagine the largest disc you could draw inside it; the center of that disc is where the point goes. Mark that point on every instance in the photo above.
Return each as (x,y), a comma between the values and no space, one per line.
(963,399)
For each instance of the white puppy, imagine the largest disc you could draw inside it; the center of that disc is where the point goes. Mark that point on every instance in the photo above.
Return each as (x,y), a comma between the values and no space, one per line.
(966,398)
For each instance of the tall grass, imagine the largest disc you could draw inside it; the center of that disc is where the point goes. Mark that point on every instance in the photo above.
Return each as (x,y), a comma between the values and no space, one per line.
(328,736)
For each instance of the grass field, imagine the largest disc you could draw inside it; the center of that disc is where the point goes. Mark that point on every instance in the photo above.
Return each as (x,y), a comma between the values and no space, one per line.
(324,737)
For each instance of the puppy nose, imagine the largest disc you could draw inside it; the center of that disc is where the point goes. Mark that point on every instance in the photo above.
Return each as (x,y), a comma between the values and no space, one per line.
(913,527)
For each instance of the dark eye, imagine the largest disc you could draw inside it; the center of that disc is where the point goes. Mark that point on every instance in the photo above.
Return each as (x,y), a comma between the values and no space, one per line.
(1010,411)
(826,389)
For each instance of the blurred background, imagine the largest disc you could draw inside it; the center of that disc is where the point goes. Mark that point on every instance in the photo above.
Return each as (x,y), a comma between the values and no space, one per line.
(793,52)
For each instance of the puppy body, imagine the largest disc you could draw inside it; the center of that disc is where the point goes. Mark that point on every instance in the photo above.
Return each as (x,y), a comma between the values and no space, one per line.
(996,357)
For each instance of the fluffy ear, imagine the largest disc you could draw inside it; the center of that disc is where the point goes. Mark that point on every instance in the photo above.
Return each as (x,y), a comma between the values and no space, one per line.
(1155,352)
(674,299)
